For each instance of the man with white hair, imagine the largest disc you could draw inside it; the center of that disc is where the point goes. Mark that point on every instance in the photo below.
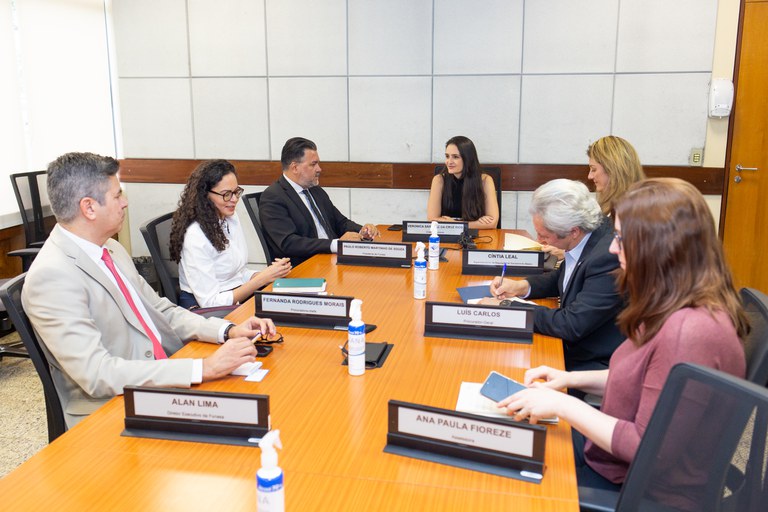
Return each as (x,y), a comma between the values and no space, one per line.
(565,215)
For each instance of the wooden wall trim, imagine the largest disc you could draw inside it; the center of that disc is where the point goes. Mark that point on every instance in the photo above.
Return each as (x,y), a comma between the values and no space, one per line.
(525,177)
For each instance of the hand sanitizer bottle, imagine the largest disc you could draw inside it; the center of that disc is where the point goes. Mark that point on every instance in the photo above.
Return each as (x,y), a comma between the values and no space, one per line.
(420,273)
(434,247)
(270,494)
(356,339)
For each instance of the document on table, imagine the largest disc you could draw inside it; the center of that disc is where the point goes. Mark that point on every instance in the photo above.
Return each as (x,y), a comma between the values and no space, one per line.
(251,371)
(513,242)
(470,400)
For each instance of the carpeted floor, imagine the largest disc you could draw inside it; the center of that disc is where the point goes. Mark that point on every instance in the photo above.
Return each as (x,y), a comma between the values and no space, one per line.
(23,428)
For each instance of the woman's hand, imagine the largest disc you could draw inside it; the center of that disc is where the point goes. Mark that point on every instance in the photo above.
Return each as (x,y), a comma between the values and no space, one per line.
(281,267)
(554,379)
(486,220)
(534,403)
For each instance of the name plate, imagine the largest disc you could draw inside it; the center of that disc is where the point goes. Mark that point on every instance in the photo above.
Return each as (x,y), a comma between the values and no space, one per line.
(494,445)
(304,309)
(419,231)
(374,254)
(193,415)
(487,263)
(474,321)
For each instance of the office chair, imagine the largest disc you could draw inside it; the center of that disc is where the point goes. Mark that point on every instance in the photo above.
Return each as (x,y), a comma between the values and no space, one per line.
(10,294)
(252,205)
(157,235)
(756,343)
(26,187)
(704,448)
(495,174)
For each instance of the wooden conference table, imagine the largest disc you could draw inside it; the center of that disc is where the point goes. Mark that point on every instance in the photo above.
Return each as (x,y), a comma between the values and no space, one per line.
(333,426)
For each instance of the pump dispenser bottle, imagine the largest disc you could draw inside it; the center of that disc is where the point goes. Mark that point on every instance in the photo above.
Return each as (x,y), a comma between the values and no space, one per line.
(420,273)
(356,339)
(434,247)
(270,494)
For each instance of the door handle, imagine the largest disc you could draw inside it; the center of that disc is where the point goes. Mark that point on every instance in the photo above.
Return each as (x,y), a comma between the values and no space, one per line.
(739,168)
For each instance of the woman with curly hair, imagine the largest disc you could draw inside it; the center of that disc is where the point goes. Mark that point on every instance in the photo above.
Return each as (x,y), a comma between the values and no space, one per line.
(207,241)
(682,307)
(462,191)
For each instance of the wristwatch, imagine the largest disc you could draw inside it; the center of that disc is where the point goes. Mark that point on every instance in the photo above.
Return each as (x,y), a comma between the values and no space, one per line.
(505,303)
(226,331)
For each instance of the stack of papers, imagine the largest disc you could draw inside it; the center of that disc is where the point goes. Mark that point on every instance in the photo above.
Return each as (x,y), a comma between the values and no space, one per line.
(513,242)
(299,285)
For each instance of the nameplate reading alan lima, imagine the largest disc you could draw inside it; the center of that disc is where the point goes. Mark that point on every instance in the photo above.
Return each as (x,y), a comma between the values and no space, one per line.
(452,320)
(467,440)
(489,263)
(168,413)
(375,254)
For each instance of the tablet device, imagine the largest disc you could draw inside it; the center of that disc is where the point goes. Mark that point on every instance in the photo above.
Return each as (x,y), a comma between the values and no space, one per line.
(497,387)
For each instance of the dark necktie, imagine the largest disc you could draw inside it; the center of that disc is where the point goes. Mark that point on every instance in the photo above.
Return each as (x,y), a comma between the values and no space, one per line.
(157,348)
(317,213)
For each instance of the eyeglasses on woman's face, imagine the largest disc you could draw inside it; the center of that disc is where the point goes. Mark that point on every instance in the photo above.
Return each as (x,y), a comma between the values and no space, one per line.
(228,194)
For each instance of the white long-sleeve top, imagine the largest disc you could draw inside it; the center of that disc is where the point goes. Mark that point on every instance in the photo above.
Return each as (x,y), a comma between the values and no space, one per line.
(211,275)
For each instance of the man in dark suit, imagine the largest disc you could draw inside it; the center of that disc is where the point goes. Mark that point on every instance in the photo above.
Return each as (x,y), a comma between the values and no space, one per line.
(299,218)
(566,216)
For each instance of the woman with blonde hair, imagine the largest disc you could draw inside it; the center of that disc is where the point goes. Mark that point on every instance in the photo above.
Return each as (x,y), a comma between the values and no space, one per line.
(613,166)
(681,307)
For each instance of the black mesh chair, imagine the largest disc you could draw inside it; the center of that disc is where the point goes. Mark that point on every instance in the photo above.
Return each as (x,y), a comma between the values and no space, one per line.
(157,235)
(251,202)
(495,174)
(704,449)
(26,187)
(756,344)
(10,294)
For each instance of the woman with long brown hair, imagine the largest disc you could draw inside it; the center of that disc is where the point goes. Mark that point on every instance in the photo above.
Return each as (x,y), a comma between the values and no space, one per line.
(681,307)
(208,242)
(461,191)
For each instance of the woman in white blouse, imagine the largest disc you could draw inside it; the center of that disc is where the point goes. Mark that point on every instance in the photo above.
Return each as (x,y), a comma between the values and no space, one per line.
(207,241)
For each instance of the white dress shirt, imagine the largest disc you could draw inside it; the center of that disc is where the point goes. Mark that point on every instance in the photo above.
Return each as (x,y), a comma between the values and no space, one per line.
(321,233)
(211,275)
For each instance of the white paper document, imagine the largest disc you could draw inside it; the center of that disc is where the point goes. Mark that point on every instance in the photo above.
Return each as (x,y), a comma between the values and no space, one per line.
(470,400)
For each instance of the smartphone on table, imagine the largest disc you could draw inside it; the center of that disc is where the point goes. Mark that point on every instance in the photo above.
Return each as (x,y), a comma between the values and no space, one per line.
(497,387)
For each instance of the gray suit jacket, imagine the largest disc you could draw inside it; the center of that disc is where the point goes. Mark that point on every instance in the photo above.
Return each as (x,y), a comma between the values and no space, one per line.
(93,340)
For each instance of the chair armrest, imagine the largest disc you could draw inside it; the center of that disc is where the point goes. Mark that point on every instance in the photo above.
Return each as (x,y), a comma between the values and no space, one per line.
(597,500)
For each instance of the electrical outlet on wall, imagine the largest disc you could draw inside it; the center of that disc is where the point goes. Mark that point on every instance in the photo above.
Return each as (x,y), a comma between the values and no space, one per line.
(696,158)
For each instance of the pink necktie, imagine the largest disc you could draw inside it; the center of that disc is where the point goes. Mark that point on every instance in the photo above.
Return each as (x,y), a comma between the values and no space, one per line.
(156,346)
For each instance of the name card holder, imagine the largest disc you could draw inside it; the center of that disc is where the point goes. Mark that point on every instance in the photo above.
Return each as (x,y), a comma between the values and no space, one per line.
(488,263)
(193,415)
(478,322)
(449,232)
(306,310)
(374,254)
(497,446)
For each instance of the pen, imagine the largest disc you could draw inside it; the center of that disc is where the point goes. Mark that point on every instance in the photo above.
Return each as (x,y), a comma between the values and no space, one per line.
(503,271)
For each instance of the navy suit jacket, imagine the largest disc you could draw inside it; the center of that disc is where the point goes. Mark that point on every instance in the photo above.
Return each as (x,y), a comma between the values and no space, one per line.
(586,318)
(289,227)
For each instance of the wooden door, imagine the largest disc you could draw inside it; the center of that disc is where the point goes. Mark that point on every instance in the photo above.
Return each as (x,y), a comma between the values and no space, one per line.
(745,234)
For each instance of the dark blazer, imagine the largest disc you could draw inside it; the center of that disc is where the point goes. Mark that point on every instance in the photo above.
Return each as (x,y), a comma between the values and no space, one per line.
(289,227)
(586,318)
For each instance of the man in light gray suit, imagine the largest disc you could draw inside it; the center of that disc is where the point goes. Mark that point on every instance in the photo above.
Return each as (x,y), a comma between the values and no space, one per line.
(101,325)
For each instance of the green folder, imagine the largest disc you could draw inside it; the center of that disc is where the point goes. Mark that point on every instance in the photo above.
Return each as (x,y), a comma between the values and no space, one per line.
(299,284)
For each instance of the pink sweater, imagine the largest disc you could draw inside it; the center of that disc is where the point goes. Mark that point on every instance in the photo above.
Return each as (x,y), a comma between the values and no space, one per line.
(637,375)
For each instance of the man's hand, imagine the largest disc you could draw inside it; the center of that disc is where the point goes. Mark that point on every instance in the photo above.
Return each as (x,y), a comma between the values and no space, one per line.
(351,236)
(228,357)
(252,327)
(489,301)
(369,232)
(508,288)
